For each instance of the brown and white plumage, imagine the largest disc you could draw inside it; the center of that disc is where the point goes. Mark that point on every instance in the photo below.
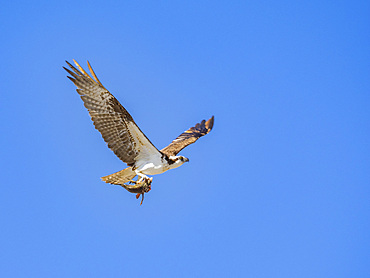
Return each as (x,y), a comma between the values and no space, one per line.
(112,120)
(125,138)
(189,137)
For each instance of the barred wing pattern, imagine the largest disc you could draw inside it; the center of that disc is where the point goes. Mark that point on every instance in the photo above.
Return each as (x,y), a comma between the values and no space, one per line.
(112,120)
(189,137)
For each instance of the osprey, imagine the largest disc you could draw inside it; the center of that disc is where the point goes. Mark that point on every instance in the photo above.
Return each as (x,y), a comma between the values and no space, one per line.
(126,139)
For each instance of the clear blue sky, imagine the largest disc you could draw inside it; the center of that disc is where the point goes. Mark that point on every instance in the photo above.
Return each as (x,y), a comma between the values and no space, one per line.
(279,188)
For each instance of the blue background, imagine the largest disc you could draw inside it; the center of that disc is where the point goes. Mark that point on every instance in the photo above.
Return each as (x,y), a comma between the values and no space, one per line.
(279,188)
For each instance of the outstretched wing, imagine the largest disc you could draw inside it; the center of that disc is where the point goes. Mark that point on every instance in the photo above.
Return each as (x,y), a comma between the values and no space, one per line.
(112,120)
(189,137)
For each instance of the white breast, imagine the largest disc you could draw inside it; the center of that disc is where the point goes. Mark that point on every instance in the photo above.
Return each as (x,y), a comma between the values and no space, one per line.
(153,165)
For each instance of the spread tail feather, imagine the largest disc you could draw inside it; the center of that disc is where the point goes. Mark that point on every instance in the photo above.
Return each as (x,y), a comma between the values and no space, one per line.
(120,177)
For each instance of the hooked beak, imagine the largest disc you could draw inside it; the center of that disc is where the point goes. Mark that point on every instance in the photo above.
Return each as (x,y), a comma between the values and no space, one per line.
(186,159)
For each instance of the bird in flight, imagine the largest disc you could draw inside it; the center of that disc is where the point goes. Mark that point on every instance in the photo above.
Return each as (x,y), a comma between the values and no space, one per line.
(125,138)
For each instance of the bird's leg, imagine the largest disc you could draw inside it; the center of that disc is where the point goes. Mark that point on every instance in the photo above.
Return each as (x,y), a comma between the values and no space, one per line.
(139,180)
(144,178)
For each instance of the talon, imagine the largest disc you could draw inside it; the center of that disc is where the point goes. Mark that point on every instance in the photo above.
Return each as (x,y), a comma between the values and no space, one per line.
(138,195)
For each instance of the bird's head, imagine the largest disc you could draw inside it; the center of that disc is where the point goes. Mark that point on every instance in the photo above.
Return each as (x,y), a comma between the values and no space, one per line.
(177,160)
(183,158)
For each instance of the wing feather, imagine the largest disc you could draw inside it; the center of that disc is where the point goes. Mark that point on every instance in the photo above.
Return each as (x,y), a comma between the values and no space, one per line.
(110,118)
(189,137)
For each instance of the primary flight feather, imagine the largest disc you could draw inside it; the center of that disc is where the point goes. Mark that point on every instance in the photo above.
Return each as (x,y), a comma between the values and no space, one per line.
(125,138)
